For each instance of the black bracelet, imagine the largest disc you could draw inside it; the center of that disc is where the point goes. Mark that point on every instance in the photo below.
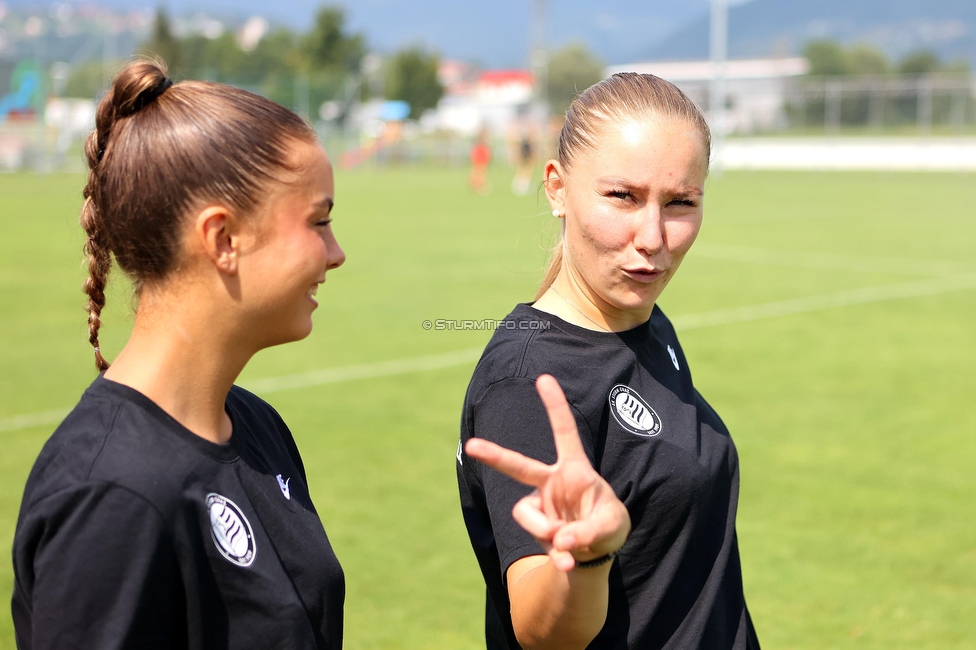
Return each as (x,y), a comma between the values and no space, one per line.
(600,561)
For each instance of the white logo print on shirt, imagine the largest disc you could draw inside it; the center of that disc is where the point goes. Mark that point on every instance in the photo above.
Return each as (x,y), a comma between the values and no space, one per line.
(283,484)
(633,413)
(674,358)
(231,531)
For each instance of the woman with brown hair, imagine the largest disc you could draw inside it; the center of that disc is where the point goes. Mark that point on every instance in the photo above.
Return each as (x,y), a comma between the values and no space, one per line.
(619,530)
(170,509)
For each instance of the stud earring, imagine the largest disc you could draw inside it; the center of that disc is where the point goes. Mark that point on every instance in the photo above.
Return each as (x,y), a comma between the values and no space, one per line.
(557,213)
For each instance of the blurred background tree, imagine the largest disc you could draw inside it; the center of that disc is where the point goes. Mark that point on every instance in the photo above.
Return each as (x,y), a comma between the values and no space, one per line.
(825,58)
(328,47)
(298,70)
(165,45)
(572,69)
(411,76)
(920,62)
(830,58)
(867,59)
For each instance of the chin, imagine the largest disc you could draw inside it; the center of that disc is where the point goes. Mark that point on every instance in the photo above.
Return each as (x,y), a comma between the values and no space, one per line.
(304,331)
(635,302)
(296,333)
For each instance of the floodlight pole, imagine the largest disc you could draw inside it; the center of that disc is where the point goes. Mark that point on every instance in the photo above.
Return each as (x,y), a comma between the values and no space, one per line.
(539,61)
(716,103)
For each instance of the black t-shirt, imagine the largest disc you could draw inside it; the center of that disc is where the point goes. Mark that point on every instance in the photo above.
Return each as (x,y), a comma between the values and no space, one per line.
(677,582)
(136,533)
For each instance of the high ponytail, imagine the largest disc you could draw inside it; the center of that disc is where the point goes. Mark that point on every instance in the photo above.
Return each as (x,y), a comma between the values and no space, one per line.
(157,150)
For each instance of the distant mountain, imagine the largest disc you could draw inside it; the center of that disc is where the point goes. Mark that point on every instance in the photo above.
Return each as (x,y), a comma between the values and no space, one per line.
(779,27)
(619,31)
(492,33)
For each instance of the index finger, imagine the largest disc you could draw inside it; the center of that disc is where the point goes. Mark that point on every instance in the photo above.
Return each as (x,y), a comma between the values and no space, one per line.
(511,463)
(564,431)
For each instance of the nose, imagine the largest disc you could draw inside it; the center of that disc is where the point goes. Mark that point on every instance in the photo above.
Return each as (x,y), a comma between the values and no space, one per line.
(649,236)
(334,254)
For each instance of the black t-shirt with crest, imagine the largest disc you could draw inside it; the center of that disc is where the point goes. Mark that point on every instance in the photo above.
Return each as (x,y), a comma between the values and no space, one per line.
(677,582)
(136,533)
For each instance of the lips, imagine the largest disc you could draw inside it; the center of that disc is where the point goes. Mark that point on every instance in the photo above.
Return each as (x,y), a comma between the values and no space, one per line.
(644,276)
(311,292)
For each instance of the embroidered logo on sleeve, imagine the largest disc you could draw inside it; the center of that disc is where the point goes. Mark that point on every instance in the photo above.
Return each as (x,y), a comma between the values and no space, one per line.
(674,358)
(632,412)
(283,484)
(231,531)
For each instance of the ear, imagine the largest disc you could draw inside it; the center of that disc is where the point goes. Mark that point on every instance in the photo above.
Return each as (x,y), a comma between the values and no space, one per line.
(217,231)
(552,178)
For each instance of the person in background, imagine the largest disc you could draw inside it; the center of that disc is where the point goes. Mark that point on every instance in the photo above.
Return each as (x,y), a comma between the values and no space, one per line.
(480,159)
(616,531)
(171,508)
(524,158)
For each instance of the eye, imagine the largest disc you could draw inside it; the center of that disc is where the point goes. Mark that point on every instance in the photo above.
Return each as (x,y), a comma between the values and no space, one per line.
(323,223)
(685,202)
(619,194)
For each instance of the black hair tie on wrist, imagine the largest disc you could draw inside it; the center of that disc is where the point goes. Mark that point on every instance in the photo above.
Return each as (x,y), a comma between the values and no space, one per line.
(147,96)
(600,561)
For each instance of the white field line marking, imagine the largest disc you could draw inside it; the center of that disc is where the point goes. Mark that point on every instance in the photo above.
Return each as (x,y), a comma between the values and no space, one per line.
(824,301)
(461,357)
(33,420)
(300,380)
(364,371)
(827,261)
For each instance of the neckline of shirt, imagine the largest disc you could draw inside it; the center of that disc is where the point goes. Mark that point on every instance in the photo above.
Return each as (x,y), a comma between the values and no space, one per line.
(638,334)
(225,452)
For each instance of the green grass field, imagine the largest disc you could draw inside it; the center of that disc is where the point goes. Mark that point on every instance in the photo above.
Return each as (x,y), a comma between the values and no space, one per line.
(855,423)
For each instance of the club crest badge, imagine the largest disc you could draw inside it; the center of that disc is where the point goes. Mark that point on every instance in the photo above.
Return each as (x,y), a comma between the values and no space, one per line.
(633,413)
(231,531)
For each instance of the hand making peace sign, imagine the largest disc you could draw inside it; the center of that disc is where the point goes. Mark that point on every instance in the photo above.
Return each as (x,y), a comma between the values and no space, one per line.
(573,512)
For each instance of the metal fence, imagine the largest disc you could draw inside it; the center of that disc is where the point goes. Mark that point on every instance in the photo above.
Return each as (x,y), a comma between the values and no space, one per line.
(922,103)
(51,138)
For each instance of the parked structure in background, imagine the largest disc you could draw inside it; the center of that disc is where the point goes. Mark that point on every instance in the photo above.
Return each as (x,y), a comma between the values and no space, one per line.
(779,95)
(755,89)
(490,99)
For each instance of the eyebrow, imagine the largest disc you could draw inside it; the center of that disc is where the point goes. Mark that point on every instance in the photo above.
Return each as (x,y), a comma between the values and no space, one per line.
(326,202)
(687,190)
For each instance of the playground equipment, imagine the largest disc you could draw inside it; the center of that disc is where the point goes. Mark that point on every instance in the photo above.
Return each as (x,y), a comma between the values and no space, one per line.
(26,94)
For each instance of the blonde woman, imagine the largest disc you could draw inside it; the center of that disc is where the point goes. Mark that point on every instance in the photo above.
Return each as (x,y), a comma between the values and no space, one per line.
(618,529)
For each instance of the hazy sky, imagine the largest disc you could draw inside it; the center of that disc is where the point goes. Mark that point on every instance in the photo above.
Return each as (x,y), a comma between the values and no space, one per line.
(495,33)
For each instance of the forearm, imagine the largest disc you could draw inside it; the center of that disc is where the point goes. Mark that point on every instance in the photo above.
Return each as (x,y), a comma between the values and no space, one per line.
(559,610)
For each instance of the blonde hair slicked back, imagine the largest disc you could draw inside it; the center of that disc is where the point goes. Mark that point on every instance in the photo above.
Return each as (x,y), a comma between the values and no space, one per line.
(625,95)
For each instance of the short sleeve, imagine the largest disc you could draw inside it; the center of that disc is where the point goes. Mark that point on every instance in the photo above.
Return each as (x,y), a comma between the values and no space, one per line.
(511,414)
(95,568)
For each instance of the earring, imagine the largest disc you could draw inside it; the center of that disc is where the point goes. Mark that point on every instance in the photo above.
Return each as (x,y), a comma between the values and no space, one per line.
(557,213)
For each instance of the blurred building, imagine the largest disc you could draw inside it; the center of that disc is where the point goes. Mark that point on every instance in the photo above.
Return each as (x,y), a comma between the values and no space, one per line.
(756,89)
(474,100)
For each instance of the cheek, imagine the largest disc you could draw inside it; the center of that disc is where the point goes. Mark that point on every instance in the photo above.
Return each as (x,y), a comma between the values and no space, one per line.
(600,233)
(681,234)
(301,245)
